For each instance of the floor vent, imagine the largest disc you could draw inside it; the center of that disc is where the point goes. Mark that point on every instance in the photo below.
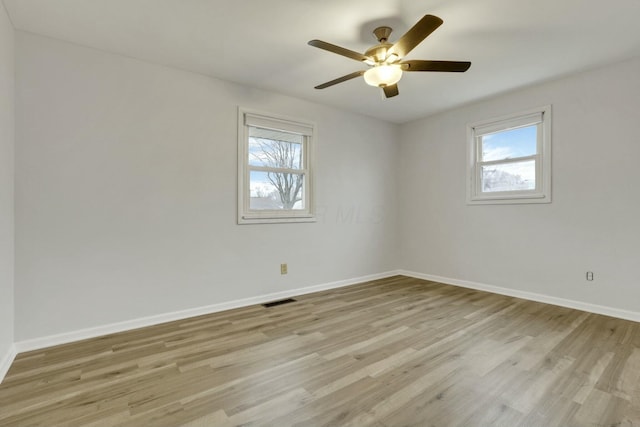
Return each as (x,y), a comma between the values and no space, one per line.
(280,302)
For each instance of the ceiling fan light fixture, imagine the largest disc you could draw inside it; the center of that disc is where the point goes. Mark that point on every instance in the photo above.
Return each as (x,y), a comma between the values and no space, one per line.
(383,75)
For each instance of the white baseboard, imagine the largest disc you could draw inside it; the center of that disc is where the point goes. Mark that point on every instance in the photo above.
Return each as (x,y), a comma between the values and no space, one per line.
(67,337)
(547,299)
(6,361)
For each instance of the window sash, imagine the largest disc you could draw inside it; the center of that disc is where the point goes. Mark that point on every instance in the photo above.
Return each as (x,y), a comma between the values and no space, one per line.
(480,182)
(479,143)
(278,212)
(303,162)
(510,125)
(284,213)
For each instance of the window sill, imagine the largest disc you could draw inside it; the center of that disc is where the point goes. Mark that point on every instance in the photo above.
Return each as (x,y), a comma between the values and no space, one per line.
(251,219)
(509,200)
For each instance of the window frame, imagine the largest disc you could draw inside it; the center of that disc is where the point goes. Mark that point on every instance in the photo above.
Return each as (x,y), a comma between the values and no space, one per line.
(540,116)
(248,118)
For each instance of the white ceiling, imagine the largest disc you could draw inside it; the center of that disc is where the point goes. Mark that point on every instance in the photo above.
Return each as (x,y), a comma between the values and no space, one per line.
(263,43)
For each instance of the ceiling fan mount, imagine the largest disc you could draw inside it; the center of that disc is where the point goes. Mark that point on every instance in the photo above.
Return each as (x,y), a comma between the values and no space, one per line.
(382,33)
(386,59)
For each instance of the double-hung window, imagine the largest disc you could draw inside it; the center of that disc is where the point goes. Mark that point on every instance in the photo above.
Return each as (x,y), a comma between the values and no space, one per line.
(509,159)
(274,173)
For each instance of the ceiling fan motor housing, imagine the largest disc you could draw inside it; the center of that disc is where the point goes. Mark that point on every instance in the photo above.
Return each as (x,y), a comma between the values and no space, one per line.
(378,52)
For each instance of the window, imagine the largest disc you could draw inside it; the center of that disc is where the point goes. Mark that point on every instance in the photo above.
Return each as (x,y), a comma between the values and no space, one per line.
(509,159)
(274,171)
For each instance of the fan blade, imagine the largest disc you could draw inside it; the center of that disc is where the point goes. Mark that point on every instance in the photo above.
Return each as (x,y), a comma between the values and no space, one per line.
(339,50)
(415,35)
(450,66)
(341,79)
(390,91)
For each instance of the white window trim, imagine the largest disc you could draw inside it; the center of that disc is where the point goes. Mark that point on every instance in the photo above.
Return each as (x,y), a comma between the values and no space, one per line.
(542,193)
(248,117)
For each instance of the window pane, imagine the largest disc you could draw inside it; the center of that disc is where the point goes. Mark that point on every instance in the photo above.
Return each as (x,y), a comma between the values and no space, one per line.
(516,176)
(510,144)
(276,191)
(275,149)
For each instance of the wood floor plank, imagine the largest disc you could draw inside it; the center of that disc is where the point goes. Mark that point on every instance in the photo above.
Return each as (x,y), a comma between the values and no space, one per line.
(389,352)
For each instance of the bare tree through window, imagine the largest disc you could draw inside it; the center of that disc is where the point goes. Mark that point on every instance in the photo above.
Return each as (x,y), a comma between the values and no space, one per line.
(282,155)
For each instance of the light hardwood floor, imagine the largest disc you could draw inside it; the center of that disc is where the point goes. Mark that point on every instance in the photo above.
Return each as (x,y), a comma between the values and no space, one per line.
(393,352)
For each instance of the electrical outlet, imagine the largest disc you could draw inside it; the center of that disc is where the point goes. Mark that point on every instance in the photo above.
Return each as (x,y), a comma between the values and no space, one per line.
(590,276)
(283,268)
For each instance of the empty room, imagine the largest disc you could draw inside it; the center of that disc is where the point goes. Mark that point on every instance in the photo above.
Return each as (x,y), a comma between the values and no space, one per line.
(305,213)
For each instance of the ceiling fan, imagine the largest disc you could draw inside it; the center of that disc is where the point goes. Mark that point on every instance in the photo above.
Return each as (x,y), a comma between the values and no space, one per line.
(385,59)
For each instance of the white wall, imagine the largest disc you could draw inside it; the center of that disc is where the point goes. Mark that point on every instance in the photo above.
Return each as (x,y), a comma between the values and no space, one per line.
(126,193)
(126,198)
(591,225)
(6,185)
